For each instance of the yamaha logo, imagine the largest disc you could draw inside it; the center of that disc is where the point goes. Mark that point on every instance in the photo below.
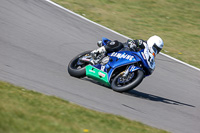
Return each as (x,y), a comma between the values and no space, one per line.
(122,56)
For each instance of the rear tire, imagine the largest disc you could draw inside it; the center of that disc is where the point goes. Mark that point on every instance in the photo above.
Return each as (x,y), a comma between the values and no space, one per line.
(131,85)
(73,69)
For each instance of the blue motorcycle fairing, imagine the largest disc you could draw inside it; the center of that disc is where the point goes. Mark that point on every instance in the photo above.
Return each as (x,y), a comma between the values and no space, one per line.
(104,41)
(122,58)
(103,68)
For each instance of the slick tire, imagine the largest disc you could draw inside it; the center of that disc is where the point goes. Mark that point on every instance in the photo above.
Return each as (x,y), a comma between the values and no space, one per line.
(131,85)
(73,71)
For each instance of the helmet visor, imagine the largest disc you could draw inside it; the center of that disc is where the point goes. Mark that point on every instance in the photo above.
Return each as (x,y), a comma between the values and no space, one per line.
(156,49)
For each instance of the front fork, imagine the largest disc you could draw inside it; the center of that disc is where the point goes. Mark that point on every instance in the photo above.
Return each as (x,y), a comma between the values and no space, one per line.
(131,68)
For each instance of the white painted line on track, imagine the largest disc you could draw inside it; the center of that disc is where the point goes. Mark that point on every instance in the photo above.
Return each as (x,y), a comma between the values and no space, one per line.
(117,33)
(180,61)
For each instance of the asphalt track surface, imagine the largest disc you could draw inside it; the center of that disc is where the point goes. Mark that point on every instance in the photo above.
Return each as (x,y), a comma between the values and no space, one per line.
(37,41)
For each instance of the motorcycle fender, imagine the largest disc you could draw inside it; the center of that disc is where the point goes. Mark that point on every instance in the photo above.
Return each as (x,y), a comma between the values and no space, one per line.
(134,68)
(96,74)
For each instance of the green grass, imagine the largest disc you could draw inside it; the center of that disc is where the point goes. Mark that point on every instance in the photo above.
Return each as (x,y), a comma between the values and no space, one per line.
(25,111)
(176,21)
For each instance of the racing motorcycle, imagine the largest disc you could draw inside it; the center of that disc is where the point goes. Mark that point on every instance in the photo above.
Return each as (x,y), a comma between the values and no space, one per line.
(122,71)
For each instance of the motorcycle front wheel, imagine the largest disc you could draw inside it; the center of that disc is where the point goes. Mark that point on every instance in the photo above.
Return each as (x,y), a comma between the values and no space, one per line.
(77,69)
(123,84)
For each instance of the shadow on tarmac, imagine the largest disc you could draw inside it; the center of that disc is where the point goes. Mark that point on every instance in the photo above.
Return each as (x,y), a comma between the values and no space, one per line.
(151,97)
(145,96)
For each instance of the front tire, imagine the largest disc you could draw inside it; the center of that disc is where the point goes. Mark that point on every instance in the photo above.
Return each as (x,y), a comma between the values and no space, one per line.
(134,82)
(77,70)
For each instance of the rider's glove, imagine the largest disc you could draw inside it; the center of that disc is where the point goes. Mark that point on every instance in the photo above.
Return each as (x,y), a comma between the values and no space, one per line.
(141,44)
(131,44)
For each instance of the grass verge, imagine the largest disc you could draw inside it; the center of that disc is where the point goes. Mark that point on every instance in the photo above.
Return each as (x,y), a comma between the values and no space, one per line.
(176,21)
(23,111)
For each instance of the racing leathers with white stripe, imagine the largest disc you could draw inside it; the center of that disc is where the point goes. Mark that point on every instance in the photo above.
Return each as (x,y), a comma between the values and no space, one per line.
(149,57)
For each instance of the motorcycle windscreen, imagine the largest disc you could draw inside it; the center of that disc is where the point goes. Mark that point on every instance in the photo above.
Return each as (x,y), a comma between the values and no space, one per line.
(97,75)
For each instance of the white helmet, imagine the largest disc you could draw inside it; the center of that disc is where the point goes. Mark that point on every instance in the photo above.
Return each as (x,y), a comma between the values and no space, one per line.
(155,44)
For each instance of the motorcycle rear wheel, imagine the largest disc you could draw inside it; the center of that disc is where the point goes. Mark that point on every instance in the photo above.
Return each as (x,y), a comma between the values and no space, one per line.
(134,82)
(76,70)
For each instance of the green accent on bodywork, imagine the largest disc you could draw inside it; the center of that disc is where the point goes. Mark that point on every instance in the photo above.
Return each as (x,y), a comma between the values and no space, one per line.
(97,75)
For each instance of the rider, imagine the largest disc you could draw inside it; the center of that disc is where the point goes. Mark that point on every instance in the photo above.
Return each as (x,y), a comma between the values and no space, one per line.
(151,48)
